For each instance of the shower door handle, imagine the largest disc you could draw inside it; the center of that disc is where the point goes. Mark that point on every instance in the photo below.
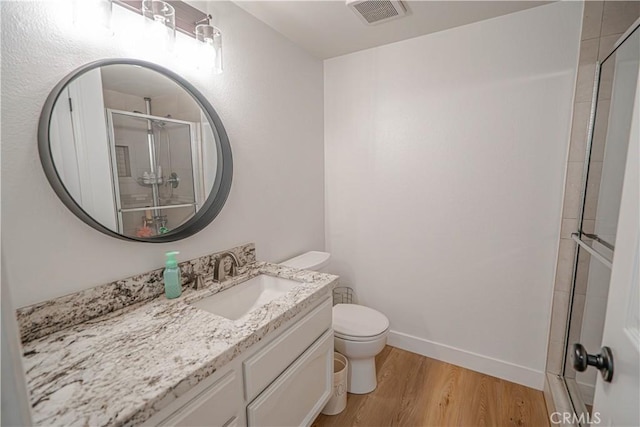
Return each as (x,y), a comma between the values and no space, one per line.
(580,360)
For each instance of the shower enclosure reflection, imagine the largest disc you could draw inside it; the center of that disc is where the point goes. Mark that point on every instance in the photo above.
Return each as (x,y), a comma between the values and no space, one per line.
(602,193)
(156,172)
(133,149)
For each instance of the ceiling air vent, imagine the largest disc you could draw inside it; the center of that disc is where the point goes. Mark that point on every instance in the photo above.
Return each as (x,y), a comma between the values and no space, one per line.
(375,12)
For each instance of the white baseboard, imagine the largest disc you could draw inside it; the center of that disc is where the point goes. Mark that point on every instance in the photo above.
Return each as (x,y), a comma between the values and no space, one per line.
(476,362)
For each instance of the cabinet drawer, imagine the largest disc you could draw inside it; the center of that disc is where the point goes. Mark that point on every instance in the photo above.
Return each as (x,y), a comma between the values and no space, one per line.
(261,369)
(218,405)
(300,393)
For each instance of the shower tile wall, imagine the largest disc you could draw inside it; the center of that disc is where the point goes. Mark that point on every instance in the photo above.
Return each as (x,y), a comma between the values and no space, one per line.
(603,24)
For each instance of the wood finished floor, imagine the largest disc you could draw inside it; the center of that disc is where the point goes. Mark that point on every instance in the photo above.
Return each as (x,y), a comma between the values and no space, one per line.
(414,390)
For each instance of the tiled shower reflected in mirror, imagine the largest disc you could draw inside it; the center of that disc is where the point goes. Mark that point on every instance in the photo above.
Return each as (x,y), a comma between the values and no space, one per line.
(153,166)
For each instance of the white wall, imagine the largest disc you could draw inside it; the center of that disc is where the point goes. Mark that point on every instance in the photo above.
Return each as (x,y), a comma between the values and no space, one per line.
(15,409)
(444,161)
(269,98)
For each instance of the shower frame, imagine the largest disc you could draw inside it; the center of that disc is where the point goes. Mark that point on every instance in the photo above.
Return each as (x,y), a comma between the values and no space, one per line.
(196,162)
(578,406)
(570,385)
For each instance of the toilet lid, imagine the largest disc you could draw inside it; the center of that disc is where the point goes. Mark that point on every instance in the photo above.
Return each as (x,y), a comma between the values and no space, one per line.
(358,321)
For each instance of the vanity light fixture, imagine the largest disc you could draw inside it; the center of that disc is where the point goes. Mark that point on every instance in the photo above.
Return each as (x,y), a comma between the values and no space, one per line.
(92,15)
(209,40)
(164,18)
(160,22)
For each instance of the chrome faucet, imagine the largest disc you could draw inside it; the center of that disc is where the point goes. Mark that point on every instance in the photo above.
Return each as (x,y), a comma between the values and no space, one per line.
(226,266)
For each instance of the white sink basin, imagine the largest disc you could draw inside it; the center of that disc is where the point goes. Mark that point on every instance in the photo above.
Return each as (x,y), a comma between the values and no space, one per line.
(246,297)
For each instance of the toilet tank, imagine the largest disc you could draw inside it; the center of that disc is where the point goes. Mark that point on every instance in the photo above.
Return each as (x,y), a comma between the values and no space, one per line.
(313,260)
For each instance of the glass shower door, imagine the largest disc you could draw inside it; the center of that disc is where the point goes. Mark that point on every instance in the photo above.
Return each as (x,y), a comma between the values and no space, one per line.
(176,155)
(605,164)
(155,172)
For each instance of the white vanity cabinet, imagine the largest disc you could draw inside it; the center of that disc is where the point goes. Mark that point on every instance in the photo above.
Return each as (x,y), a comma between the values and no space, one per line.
(284,380)
(217,405)
(300,393)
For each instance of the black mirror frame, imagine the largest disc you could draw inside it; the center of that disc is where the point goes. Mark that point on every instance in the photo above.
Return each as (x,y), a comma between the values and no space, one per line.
(222,184)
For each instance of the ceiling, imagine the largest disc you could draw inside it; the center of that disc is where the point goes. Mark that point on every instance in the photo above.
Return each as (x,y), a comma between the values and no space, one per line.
(329,28)
(137,81)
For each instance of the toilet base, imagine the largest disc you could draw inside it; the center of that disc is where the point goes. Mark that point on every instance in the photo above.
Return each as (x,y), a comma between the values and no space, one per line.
(362,361)
(362,376)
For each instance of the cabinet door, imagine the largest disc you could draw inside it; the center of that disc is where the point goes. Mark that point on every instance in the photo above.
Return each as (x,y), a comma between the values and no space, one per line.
(300,393)
(261,369)
(218,405)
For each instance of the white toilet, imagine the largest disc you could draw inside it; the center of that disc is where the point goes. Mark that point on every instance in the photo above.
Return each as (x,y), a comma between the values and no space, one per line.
(360,332)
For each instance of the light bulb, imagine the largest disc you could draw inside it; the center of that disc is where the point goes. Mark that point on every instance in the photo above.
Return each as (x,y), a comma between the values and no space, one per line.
(209,38)
(160,22)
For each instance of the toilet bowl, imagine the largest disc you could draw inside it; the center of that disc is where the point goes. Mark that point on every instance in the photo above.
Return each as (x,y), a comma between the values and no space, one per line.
(360,332)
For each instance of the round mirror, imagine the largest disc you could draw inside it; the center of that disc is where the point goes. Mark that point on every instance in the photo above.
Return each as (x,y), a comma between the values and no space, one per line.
(135,151)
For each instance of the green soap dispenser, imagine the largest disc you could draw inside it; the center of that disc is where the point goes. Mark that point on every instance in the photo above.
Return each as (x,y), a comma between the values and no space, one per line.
(172,282)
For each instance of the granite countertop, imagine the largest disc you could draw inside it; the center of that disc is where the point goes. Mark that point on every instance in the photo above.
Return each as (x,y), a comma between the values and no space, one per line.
(121,368)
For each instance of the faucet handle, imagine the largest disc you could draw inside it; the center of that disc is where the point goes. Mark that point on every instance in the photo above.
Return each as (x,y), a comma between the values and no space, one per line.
(196,281)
